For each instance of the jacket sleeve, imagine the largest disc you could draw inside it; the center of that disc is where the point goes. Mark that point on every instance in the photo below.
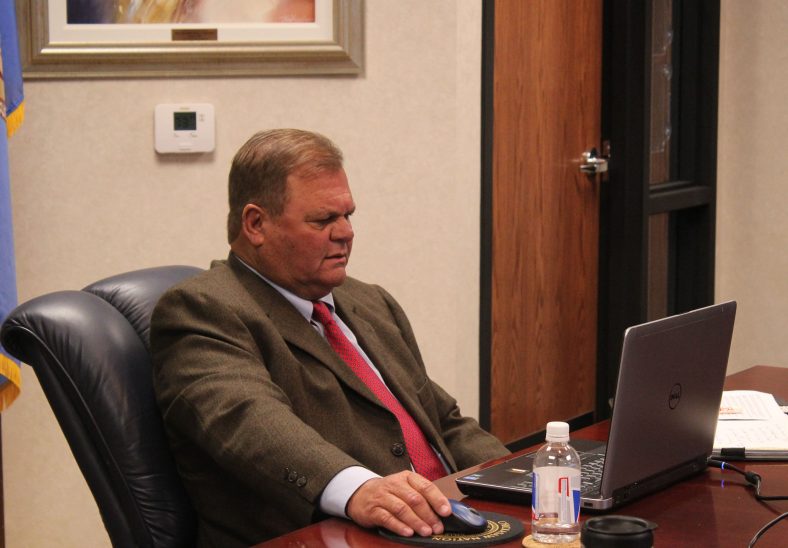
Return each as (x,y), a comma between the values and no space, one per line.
(224,414)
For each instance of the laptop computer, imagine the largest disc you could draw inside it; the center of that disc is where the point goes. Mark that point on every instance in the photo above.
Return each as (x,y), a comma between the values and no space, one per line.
(667,400)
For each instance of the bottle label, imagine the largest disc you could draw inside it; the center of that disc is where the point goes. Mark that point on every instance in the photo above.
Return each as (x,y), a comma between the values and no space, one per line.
(556,492)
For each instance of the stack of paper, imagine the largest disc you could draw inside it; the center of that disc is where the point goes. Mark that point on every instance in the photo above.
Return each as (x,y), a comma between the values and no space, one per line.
(751,425)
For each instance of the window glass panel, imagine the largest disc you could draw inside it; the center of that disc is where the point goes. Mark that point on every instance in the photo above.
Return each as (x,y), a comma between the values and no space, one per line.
(658,277)
(661,76)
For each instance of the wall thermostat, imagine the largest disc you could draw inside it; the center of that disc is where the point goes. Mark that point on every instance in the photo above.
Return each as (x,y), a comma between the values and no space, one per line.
(184,128)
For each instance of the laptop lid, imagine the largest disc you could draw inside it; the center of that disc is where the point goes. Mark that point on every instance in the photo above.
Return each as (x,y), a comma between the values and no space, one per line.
(667,399)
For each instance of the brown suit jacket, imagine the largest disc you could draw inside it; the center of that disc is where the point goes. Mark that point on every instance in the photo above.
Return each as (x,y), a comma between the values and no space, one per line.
(261,413)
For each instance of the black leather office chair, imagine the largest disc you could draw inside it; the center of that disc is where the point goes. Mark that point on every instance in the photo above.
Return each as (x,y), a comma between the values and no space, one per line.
(90,352)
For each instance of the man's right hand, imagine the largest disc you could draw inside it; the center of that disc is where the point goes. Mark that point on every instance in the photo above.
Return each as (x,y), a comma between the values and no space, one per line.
(404,503)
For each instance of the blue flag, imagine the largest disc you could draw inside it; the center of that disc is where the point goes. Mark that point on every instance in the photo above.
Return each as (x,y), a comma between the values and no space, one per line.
(11,115)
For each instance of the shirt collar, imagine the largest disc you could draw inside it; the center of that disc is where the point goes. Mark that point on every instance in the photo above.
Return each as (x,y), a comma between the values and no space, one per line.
(303,306)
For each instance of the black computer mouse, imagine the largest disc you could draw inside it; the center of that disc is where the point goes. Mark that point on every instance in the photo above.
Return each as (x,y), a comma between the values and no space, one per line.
(463,519)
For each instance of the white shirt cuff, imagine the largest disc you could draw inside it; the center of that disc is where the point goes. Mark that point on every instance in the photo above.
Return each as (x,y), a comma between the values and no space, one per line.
(337,493)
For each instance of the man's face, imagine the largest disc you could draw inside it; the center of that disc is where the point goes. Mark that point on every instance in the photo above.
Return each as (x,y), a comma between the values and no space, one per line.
(307,247)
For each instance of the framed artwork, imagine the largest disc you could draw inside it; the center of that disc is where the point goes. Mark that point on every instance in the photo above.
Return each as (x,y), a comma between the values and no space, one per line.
(164,38)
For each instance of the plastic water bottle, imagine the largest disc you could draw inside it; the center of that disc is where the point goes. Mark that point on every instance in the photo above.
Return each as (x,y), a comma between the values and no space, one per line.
(555,502)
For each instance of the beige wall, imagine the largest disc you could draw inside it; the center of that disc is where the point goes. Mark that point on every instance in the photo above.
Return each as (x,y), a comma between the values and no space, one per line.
(752,224)
(91,198)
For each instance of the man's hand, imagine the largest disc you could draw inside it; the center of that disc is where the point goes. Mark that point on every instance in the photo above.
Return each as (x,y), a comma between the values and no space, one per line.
(403,503)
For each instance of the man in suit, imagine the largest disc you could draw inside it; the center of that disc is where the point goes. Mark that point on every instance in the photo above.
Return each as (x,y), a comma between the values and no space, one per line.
(290,391)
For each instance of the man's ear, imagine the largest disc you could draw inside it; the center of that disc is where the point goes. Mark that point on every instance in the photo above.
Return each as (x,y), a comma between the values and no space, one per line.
(253,221)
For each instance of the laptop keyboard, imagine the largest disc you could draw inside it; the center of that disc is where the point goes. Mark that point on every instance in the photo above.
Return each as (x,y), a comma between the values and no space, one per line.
(590,473)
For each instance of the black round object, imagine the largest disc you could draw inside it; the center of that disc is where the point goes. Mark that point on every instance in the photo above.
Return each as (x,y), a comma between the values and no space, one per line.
(617,532)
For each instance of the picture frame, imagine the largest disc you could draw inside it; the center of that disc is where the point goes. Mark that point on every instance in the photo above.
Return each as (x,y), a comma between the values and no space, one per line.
(50,47)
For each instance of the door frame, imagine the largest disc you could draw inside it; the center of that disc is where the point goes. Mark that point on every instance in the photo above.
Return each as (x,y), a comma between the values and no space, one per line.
(626,197)
(486,215)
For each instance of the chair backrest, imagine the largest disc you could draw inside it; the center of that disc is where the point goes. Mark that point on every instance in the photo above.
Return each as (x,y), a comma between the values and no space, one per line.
(90,352)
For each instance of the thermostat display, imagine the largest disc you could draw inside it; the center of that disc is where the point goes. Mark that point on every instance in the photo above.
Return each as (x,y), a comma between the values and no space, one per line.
(185,121)
(184,128)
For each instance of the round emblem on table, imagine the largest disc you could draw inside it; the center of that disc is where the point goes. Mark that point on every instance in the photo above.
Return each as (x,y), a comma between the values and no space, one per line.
(500,528)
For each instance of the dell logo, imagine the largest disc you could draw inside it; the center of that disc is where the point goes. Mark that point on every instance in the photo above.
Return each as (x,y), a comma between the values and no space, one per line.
(675,396)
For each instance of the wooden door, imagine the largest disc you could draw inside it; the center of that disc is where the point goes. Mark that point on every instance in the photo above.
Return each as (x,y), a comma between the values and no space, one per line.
(546,111)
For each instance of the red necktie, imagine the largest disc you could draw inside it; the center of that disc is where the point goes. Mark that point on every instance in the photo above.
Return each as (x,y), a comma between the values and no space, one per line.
(423,458)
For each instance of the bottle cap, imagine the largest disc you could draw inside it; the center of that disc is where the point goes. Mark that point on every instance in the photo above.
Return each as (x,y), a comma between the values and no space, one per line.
(557,431)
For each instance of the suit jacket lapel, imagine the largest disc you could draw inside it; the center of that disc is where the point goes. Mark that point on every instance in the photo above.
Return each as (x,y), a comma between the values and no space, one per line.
(382,354)
(295,329)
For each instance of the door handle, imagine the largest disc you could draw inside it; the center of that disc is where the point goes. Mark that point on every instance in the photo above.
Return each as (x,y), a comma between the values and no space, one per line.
(593,163)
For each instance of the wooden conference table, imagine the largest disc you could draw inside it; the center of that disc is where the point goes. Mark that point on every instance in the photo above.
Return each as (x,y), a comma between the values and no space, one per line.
(713,509)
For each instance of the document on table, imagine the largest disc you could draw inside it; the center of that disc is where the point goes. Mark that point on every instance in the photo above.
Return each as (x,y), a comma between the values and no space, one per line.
(751,425)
